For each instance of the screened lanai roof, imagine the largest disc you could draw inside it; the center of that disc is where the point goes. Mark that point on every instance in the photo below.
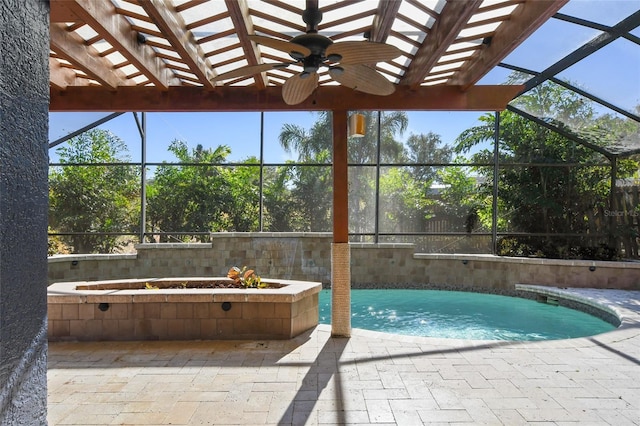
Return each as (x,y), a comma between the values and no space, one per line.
(155,55)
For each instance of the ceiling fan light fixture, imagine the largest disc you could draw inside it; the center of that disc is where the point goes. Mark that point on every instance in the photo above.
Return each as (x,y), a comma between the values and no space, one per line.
(336,71)
(296,55)
(311,63)
(334,57)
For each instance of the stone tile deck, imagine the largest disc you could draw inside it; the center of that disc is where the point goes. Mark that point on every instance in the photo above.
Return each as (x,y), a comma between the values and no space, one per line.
(368,379)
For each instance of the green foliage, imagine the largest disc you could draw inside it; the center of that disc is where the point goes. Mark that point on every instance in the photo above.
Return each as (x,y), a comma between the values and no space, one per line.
(404,205)
(100,198)
(364,150)
(243,184)
(460,199)
(56,245)
(280,209)
(313,194)
(537,192)
(245,277)
(310,186)
(308,143)
(424,149)
(191,197)
(548,184)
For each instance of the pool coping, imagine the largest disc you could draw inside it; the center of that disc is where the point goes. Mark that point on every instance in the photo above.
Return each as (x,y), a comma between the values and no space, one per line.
(625,304)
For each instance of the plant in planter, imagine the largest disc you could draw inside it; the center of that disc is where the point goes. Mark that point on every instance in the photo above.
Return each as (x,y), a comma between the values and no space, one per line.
(245,278)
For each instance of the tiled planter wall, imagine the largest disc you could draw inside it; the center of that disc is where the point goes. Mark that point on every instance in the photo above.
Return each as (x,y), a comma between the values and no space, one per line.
(174,320)
(307,257)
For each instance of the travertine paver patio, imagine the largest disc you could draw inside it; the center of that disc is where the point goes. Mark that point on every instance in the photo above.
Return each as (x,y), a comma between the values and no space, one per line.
(370,378)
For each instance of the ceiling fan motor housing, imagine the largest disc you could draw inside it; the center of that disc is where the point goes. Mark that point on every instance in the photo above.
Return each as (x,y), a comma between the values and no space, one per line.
(314,42)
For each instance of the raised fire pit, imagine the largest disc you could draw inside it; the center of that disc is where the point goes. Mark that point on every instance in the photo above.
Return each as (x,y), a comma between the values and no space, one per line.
(192,308)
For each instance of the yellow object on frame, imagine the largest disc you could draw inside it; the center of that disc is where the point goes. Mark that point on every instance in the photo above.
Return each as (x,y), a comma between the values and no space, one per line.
(356,125)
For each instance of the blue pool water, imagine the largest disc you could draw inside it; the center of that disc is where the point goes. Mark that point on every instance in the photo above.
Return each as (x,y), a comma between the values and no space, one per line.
(463,315)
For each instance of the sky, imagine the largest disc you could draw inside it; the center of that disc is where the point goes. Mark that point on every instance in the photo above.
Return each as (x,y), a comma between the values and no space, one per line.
(613,73)
(240,131)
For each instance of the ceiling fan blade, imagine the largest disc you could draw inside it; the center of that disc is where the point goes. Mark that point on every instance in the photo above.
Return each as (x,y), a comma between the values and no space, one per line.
(293,49)
(363,52)
(248,70)
(362,78)
(296,89)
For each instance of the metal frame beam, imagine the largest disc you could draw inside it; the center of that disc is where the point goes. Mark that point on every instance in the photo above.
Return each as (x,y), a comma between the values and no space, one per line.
(597,43)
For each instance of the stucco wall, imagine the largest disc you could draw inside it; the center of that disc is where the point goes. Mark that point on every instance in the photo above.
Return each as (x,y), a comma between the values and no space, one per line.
(24,103)
(307,257)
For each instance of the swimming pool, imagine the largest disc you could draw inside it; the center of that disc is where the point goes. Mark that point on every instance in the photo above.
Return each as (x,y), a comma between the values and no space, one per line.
(463,315)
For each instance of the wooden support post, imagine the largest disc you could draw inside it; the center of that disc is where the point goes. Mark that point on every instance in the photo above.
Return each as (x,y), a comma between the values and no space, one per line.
(340,253)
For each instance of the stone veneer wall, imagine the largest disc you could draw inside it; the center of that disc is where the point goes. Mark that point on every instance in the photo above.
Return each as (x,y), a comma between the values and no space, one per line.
(24,106)
(398,264)
(290,256)
(307,257)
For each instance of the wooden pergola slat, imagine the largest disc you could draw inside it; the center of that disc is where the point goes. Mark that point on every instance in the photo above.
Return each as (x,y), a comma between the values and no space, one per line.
(172,26)
(239,12)
(62,77)
(102,17)
(69,46)
(524,20)
(453,18)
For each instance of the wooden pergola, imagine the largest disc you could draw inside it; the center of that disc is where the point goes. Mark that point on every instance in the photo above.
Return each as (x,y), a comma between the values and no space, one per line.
(157,55)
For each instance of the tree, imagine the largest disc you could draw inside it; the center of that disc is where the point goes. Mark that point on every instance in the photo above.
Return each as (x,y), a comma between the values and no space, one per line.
(539,192)
(404,205)
(243,185)
(280,211)
(424,149)
(96,198)
(311,190)
(312,184)
(191,197)
(309,144)
(458,200)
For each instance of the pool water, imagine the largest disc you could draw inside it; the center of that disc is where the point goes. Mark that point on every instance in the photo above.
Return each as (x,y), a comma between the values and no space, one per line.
(463,315)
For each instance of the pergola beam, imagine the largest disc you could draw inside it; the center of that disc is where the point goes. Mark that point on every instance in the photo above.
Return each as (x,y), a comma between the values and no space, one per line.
(239,13)
(383,21)
(186,99)
(70,46)
(59,12)
(527,18)
(453,19)
(173,27)
(114,28)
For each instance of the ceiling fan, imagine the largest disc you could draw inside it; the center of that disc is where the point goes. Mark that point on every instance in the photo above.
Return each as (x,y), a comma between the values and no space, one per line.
(348,61)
